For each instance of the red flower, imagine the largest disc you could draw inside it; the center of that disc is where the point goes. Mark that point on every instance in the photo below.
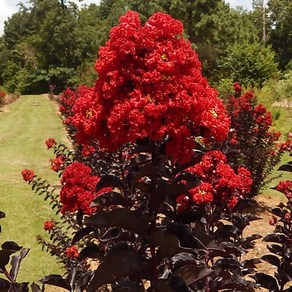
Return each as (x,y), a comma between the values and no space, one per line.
(72,252)
(273,221)
(28,175)
(202,194)
(237,88)
(50,142)
(227,185)
(49,225)
(2,93)
(285,187)
(78,188)
(87,150)
(57,163)
(150,85)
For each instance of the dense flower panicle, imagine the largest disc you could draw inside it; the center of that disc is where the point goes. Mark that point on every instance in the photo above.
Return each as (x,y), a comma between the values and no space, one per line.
(50,142)
(149,85)
(285,187)
(220,184)
(72,252)
(49,225)
(57,163)
(66,100)
(78,188)
(87,150)
(28,175)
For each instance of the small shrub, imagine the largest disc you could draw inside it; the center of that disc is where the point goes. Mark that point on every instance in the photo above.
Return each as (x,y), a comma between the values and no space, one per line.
(254,143)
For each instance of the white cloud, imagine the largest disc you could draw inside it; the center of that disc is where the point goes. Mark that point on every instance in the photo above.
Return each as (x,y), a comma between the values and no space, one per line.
(246,4)
(6,11)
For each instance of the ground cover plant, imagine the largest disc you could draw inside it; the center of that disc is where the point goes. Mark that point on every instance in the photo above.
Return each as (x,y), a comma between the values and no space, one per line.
(152,194)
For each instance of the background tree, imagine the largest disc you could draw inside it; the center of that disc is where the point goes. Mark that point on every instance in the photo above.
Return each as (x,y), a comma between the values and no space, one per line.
(280,22)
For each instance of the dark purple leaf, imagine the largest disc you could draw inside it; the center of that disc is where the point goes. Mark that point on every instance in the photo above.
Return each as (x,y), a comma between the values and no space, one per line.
(285,167)
(56,280)
(123,218)
(5,257)
(91,251)
(118,264)
(225,232)
(168,243)
(109,199)
(35,287)
(187,216)
(185,236)
(192,273)
(109,181)
(182,259)
(15,262)
(11,245)
(267,281)
(276,249)
(81,233)
(230,248)
(278,212)
(274,260)
(110,234)
(275,237)
(288,252)
(136,173)
(130,286)
(227,263)
(162,286)
(2,215)
(251,263)
(4,285)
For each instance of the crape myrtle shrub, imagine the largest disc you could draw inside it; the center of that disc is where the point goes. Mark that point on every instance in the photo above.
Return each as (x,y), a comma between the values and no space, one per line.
(280,241)
(254,144)
(147,194)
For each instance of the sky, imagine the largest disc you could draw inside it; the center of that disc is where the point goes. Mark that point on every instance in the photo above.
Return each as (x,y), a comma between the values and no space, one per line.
(9,7)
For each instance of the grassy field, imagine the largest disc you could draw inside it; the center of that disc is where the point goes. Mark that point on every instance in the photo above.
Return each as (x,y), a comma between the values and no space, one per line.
(25,125)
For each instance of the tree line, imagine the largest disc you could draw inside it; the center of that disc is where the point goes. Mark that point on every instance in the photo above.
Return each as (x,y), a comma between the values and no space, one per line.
(56,42)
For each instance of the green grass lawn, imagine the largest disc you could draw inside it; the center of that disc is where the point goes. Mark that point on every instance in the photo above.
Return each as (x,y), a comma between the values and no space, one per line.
(25,125)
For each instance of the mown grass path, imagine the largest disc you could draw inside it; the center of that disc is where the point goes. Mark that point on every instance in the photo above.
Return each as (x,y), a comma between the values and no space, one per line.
(24,126)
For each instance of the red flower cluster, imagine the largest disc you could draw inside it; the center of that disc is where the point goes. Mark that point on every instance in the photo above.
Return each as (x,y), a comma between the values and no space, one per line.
(66,100)
(202,193)
(50,142)
(246,113)
(28,175)
(57,163)
(72,252)
(87,150)
(287,146)
(220,184)
(149,85)
(2,93)
(49,225)
(237,88)
(78,188)
(285,187)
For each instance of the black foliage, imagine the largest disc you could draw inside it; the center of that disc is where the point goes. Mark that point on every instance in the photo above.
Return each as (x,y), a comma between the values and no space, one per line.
(280,245)
(13,254)
(138,235)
